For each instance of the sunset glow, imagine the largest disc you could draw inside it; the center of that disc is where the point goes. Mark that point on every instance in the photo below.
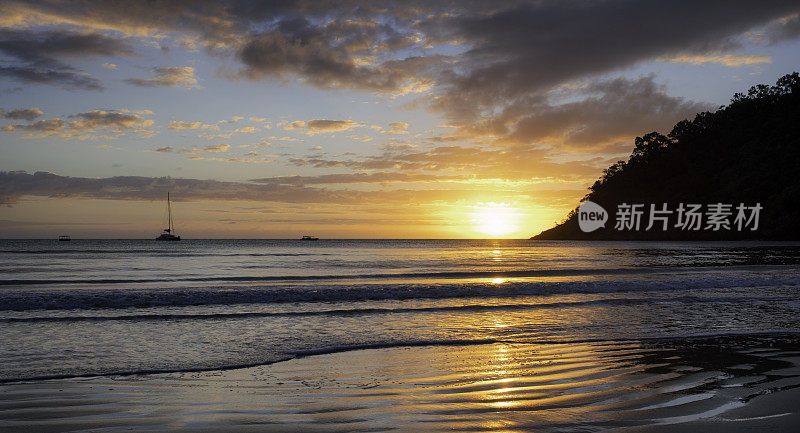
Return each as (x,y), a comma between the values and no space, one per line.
(495,219)
(392,122)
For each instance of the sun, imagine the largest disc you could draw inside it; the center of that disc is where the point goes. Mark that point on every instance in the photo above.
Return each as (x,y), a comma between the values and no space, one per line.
(495,219)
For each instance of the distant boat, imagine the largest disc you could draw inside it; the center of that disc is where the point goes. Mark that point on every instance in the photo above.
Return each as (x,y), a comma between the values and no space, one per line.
(167,235)
(309,238)
(64,238)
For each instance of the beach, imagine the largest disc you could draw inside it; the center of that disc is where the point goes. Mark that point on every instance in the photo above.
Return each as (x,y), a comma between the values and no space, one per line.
(731,383)
(399,335)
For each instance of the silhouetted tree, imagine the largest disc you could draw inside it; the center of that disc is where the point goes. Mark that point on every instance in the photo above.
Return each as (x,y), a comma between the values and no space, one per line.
(746,152)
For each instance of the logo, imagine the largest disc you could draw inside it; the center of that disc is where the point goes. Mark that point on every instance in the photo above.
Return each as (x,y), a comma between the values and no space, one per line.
(591,216)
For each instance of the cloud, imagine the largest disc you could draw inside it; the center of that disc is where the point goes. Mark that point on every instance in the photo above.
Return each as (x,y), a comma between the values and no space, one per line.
(109,66)
(783,29)
(606,112)
(725,60)
(181,125)
(85,123)
(319,126)
(234,119)
(297,124)
(116,121)
(362,138)
(375,45)
(50,126)
(397,128)
(333,54)
(184,125)
(331,179)
(16,184)
(66,78)
(532,47)
(142,112)
(169,77)
(234,159)
(496,52)
(164,149)
(515,163)
(48,48)
(245,130)
(285,138)
(39,55)
(22,114)
(215,148)
(323,125)
(495,71)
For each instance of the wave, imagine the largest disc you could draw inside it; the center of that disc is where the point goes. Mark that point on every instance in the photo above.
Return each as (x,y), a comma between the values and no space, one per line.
(409,343)
(400,275)
(375,311)
(255,279)
(113,298)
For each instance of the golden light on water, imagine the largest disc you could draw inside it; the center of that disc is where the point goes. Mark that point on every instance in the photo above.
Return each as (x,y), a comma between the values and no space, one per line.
(495,219)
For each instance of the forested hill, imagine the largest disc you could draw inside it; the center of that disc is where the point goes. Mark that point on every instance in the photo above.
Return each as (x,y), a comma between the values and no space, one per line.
(746,154)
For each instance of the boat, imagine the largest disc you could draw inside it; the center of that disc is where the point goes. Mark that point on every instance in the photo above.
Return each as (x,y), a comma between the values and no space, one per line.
(168,232)
(309,238)
(64,238)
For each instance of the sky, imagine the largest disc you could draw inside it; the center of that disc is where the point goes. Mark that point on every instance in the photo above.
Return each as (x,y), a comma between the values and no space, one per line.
(351,119)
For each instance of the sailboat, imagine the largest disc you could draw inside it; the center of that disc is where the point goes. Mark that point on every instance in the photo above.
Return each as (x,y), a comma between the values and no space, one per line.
(167,235)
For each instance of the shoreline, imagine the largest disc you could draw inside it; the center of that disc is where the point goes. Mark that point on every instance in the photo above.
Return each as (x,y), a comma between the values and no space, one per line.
(718,382)
(401,344)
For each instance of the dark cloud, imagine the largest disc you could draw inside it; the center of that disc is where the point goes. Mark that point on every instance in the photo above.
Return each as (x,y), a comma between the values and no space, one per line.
(606,113)
(16,184)
(368,44)
(480,62)
(535,46)
(66,78)
(339,54)
(13,185)
(22,114)
(49,48)
(39,56)
(784,29)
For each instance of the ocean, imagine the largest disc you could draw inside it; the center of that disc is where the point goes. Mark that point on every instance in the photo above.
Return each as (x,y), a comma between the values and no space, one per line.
(119,307)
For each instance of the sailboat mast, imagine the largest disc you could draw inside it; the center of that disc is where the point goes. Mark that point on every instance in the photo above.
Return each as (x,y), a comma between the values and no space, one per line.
(169,213)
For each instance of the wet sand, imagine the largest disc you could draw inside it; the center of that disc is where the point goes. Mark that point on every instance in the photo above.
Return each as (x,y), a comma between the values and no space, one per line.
(734,383)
